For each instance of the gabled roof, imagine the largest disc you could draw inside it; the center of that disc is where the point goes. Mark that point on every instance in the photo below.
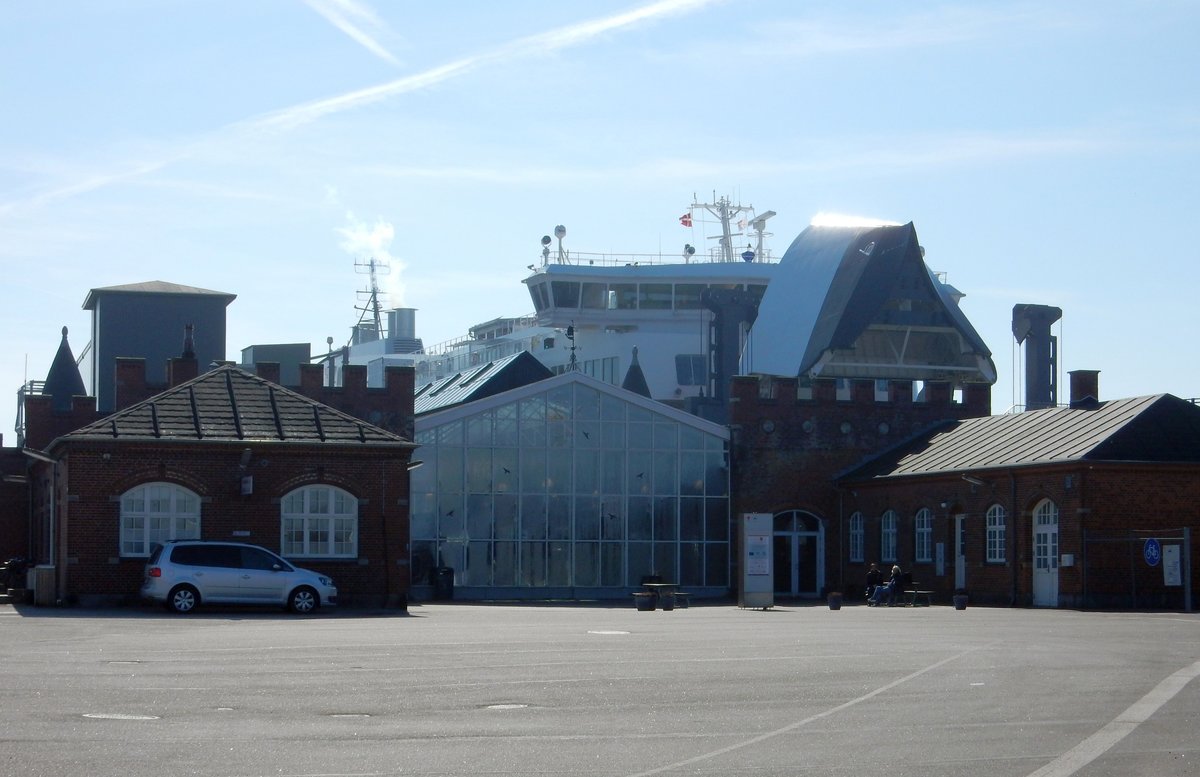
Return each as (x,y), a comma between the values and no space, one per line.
(859,302)
(154,287)
(479,382)
(228,404)
(1160,428)
(567,379)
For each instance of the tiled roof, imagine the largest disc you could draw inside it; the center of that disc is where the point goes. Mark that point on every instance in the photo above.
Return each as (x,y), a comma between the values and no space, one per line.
(1158,428)
(230,404)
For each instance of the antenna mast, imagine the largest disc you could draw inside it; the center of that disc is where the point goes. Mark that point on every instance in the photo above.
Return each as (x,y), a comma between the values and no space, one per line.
(373,306)
(725,211)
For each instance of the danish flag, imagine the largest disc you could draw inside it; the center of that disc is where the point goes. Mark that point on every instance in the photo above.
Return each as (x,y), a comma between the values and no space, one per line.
(686,219)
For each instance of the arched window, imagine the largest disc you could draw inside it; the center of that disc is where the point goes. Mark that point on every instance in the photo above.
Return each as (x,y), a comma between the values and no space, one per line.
(887,537)
(924,535)
(996,531)
(319,521)
(857,537)
(153,513)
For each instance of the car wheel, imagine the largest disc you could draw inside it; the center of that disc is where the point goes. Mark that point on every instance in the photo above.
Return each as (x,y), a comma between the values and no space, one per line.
(183,599)
(303,600)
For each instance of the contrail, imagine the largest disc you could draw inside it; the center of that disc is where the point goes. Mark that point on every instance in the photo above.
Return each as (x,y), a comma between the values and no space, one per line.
(336,13)
(305,113)
(553,40)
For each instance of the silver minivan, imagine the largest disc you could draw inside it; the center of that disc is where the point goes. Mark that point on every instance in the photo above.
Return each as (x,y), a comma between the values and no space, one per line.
(181,574)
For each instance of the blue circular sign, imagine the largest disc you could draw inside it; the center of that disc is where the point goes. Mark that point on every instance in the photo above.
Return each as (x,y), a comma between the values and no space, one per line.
(1152,552)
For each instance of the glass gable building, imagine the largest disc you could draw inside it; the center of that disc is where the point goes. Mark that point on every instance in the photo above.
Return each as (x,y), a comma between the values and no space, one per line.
(569,488)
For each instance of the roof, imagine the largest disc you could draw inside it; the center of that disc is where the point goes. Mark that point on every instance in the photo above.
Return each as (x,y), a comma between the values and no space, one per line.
(63,381)
(1159,428)
(860,302)
(228,404)
(572,377)
(478,382)
(153,287)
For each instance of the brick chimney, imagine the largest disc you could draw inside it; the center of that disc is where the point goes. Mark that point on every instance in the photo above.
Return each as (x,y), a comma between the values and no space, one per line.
(1085,388)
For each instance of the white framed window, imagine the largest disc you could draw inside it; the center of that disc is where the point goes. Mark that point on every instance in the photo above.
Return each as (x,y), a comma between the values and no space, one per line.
(857,537)
(153,513)
(319,521)
(924,535)
(887,537)
(996,528)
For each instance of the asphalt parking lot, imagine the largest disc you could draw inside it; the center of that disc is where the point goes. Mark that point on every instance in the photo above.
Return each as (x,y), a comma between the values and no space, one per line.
(462,689)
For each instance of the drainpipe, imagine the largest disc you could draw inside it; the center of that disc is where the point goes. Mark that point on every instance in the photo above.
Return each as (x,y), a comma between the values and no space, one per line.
(39,456)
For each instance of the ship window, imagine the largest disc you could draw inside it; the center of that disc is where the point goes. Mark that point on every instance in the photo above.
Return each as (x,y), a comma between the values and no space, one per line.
(687,296)
(541,300)
(689,369)
(655,296)
(623,296)
(566,294)
(595,296)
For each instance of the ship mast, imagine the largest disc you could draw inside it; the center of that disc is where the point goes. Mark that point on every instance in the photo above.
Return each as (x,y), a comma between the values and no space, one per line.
(373,307)
(725,211)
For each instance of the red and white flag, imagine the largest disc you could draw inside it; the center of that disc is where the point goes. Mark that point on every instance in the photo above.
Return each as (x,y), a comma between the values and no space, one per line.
(686,219)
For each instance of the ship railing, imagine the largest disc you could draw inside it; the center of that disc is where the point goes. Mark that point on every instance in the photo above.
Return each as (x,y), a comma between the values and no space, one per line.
(467,341)
(585,259)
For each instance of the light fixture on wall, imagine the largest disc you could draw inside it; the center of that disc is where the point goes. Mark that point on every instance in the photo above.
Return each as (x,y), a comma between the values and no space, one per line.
(417,463)
(974,480)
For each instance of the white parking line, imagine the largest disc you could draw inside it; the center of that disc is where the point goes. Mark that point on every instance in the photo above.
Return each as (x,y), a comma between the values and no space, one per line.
(1120,727)
(810,719)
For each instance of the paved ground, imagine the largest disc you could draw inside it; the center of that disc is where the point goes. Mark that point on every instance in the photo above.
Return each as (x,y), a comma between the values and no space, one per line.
(458,689)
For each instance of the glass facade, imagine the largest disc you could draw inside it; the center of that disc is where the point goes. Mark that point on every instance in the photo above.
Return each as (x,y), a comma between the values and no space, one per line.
(570,487)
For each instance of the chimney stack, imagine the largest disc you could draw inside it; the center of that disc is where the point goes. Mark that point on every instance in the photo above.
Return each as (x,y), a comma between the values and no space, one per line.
(1085,388)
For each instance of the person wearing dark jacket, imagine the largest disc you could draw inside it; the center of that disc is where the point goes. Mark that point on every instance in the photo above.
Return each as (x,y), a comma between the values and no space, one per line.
(874,578)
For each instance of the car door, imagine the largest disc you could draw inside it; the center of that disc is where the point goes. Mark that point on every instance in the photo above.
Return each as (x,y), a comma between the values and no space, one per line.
(264,576)
(211,568)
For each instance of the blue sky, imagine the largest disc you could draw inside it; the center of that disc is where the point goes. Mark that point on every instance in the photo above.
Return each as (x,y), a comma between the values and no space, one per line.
(1046,152)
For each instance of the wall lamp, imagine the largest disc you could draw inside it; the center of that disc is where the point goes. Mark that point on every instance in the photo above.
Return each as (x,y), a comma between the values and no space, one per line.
(414,464)
(974,480)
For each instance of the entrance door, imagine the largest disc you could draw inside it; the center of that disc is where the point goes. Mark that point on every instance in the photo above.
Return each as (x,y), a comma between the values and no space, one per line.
(1045,555)
(799,554)
(960,552)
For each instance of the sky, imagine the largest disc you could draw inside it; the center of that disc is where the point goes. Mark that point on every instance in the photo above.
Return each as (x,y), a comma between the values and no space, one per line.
(1046,153)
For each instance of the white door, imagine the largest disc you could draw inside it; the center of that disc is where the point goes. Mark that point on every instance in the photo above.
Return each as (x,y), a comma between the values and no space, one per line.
(960,552)
(1045,555)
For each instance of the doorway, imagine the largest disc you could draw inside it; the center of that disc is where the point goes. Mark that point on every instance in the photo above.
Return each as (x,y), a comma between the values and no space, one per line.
(1045,555)
(799,554)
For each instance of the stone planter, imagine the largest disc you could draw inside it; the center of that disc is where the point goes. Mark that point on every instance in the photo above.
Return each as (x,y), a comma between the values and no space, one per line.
(960,601)
(835,600)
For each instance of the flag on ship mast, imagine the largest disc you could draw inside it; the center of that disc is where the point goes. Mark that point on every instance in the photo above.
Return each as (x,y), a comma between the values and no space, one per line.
(686,219)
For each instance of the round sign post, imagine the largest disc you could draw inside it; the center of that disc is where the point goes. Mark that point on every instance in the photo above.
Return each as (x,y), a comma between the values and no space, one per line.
(1152,552)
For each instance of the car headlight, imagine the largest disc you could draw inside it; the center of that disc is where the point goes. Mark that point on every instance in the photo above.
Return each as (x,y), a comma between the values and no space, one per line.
(325,581)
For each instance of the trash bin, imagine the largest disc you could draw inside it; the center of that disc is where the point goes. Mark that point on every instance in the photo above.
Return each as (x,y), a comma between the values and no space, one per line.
(443,583)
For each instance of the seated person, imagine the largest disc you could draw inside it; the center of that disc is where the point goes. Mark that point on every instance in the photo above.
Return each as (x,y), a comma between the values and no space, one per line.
(887,592)
(874,578)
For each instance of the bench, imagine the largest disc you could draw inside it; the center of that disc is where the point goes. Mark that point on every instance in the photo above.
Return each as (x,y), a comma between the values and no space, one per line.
(915,594)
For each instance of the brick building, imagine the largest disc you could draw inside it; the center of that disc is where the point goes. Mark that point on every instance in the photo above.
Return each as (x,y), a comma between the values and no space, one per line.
(1064,506)
(225,454)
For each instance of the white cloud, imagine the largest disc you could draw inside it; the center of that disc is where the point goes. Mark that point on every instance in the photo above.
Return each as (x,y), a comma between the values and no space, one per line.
(373,242)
